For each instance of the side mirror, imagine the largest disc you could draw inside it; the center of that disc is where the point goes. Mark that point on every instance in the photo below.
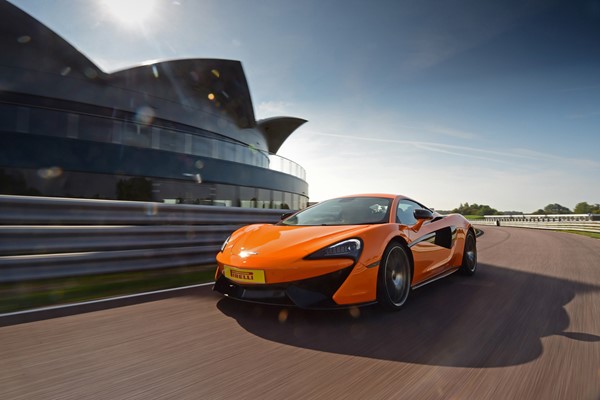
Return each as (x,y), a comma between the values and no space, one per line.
(421,213)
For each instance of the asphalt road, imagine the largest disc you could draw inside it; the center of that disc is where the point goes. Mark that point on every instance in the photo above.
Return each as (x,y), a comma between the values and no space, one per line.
(526,326)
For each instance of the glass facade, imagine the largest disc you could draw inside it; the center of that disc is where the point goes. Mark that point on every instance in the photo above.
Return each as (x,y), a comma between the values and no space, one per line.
(160,135)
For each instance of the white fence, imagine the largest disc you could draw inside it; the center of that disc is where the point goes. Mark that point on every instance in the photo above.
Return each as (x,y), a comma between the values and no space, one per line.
(572,222)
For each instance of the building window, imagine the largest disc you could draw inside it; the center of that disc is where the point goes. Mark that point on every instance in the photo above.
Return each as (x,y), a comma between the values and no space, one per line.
(136,135)
(277,199)
(202,146)
(263,198)
(287,201)
(117,131)
(172,140)
(303,203)
(224,195)
(187,143)
(248,197)
(48,122)
(226,150)
(95,128)
(73,126)
(23,119)
(8,117)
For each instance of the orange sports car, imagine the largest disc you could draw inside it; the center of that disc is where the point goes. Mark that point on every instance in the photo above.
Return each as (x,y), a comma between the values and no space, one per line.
(346,251)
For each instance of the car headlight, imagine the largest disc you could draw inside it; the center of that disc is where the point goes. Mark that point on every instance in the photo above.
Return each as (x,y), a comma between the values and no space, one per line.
(225,243)
(350,248)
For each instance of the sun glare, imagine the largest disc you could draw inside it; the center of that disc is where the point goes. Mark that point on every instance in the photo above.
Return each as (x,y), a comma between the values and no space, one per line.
(130,12)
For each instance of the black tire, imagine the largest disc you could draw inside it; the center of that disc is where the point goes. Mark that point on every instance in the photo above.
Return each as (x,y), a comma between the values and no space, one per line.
(469,261)
(394,277)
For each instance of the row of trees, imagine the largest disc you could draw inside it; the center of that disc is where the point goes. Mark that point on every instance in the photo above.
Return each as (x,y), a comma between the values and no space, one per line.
(475,209)
(580,208)
(585,208)
(555,208)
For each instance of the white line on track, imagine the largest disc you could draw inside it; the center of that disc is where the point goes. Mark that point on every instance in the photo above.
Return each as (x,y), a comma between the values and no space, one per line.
(109,299)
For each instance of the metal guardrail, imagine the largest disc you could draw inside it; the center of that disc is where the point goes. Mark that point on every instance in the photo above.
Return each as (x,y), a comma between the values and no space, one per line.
(24,210)
(543,217)
(44,237)
(583,226)
(20,240)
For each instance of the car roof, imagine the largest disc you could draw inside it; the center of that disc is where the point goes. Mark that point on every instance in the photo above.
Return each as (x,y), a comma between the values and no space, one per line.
(384,195)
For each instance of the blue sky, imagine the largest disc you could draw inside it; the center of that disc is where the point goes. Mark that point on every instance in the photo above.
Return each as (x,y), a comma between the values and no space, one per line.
(457,101)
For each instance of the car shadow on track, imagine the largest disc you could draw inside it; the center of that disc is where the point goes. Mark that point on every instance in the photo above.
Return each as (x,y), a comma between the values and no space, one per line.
(493,319)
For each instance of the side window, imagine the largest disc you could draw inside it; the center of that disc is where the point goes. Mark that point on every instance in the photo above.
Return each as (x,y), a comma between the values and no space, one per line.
(405,212)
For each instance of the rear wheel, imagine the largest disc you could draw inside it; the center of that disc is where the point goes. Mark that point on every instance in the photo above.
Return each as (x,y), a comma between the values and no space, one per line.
(394,278)
(469,262)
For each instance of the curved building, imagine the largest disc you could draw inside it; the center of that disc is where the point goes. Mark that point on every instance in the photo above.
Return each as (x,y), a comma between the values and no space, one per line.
(173,131)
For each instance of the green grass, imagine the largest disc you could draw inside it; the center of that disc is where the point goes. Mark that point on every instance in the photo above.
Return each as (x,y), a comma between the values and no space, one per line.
(474,217)
(588,234)
(48,292)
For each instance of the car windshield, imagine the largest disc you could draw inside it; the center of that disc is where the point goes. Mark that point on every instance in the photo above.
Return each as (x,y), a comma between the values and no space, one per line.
(344,211)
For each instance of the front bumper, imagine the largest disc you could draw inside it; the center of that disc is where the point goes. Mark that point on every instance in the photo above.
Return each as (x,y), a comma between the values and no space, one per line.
(314,292)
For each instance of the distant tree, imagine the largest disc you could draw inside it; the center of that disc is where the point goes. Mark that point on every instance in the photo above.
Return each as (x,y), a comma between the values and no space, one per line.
(539,212)
(512,212)
(556,209)
(486,210)
(585,208)
(582,208)
(475,209)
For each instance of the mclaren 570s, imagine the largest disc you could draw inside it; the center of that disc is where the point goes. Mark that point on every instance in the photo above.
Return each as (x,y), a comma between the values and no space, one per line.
(347,251)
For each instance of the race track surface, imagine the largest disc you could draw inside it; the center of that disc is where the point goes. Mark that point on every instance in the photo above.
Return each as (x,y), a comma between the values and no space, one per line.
(526,326)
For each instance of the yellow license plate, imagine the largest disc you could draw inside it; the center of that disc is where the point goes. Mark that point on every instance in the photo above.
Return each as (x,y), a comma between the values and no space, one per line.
(244,275)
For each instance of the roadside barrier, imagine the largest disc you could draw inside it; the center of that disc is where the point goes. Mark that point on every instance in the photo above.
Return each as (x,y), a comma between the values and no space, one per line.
(544,217)
(42,237)
(582,226)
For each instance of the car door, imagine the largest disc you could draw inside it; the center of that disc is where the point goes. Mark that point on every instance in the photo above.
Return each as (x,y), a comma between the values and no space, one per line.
(430,244)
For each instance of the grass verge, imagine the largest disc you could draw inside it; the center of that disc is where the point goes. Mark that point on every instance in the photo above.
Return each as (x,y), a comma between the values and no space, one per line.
(48,292)
(588,234)
(474,217)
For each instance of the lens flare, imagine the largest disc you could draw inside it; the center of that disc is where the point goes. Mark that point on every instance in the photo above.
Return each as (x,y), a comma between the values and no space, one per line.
(144,115)
(283,315)
(50,173)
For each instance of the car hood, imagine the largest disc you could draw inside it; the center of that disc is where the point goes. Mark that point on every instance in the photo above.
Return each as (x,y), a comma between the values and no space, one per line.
(276,241)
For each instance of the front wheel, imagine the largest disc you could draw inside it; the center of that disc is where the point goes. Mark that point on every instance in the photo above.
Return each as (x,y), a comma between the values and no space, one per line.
(394,278)
(469,262)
